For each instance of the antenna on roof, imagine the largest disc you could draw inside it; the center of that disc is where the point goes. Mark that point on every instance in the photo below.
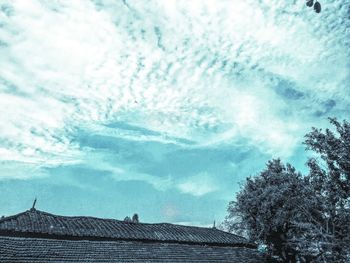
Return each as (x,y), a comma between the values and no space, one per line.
(214,225)
(33,207)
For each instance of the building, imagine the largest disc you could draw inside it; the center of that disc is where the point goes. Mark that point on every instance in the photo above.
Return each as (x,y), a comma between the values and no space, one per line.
(37,236)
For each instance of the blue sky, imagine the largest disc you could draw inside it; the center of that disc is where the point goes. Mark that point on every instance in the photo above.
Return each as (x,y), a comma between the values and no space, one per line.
(160,107)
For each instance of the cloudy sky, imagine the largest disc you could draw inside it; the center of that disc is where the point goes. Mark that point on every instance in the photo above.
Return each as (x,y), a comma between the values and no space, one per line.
(161,107)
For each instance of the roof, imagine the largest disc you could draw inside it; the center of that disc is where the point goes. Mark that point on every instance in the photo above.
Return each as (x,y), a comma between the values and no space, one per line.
(28,250)
(37,236)
(39,224)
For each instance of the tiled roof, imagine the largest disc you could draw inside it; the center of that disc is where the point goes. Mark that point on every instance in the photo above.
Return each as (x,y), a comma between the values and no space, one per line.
(35,223)
(38,250)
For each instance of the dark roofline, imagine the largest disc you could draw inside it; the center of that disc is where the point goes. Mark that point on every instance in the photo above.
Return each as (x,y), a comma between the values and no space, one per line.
(6,218)
(16,233)
(93,217)
(89,238)
(104,219)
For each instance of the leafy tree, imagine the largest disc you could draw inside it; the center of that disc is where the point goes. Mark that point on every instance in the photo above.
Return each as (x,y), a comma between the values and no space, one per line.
(330,177)
(135,218)
(268,209)
(301,218)
(127,219)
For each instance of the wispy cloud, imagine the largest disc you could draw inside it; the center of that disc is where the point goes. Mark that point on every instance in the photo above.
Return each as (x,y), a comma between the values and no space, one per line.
(199,74)
(198,185)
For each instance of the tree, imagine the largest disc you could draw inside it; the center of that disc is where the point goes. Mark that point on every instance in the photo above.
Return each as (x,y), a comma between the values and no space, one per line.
(301,218)
(135,218)
(127,219)
(271,210)
(330,177)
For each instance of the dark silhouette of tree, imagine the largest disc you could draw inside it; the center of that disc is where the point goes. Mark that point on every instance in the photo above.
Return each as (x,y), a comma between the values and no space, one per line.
(268,209)
(127,219)
(330,177)
(301,218)
(135,218)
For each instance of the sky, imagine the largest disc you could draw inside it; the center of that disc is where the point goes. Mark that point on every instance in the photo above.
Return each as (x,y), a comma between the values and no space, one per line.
(161,108)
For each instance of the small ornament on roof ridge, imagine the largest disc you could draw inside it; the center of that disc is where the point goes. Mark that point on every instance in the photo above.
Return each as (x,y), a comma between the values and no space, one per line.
(33,207)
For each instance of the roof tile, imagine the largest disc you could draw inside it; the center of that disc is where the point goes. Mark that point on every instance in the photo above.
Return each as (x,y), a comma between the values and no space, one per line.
(15,249)
(38,222)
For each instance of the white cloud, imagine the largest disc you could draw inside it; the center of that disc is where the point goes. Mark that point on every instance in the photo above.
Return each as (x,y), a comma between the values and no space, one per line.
(123,172)
(198,185)
(204,71)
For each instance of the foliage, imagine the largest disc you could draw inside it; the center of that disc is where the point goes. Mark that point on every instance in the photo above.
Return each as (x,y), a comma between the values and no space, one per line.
(300,218)
(330,177)
(127,219)
(135,218)
(269,209)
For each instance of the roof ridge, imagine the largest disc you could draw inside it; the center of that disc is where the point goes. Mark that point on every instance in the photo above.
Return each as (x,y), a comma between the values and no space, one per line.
(6,218)
(64,216)
(141,223)
(95,227)
(104,219)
